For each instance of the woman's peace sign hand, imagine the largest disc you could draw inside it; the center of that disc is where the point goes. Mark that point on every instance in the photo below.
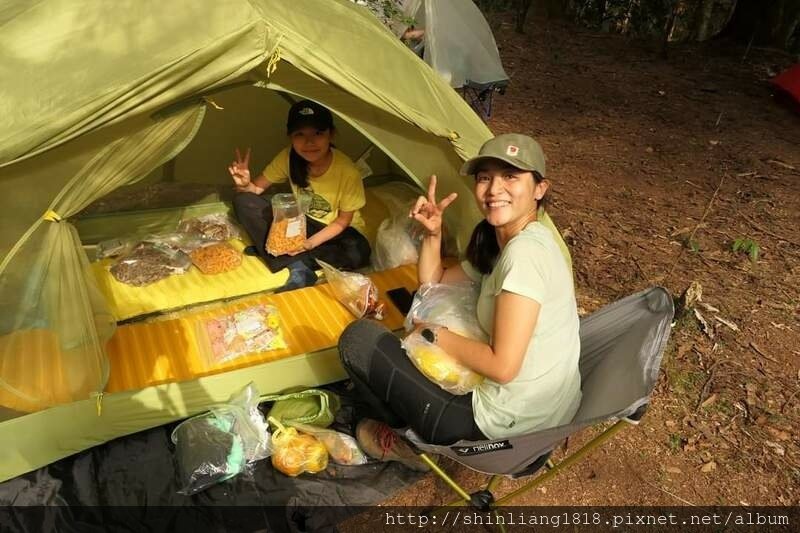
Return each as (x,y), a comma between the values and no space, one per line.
(428,212)
(240,170)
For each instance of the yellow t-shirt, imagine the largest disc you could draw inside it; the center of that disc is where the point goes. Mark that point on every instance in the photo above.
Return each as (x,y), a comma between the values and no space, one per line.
(339,189)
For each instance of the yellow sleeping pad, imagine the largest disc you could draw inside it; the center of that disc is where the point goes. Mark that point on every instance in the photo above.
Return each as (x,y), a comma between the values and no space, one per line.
(193,287)
(30,379)
(181,290)
(169,350)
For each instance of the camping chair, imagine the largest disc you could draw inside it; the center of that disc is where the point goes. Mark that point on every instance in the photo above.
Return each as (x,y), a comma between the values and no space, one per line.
(480,95)
(621,349)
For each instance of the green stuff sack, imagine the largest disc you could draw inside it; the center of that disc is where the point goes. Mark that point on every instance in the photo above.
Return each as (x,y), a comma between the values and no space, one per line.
(315,407)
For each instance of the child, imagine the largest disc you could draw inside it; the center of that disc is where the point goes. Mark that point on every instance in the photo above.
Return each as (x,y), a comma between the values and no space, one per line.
(321,173)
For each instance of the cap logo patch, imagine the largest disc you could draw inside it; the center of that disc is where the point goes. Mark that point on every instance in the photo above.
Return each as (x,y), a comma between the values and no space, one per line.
(512,150)
(306,111)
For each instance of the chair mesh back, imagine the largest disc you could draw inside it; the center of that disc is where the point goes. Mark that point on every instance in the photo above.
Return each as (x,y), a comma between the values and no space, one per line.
(621,349)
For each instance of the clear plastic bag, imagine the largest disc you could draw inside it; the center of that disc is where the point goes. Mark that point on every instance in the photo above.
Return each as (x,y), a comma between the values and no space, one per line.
(216,446)
(356,291)
(342,449)
(251,330)
(455,307)
(397,242)
(185,242)
(148,262)
(114,247)
(216,258)
(288,229)
(294,453)
(214,227)
(439,367)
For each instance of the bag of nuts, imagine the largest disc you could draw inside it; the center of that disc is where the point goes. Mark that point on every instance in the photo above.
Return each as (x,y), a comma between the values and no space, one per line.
(149,262)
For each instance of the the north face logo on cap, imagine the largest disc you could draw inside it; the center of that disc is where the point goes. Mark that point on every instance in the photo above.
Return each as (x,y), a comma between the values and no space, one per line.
(306,111)
(512,150)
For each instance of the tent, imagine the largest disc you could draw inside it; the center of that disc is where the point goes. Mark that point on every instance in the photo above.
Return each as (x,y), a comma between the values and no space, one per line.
(457,43)
(788,85)
(97,99)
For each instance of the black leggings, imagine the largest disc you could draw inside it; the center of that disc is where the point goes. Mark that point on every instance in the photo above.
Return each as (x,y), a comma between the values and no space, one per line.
(349,250)
(395,391)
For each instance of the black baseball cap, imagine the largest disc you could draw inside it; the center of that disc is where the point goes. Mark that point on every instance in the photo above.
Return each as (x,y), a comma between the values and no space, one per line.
(306,113)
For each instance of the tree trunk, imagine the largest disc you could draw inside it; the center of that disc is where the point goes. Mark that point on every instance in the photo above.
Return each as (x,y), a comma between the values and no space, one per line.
(626,22)
(787,25)
(669,26)
(554,9)
(523,6)
(602,5)
(744,21)
(765,23)
(703,21)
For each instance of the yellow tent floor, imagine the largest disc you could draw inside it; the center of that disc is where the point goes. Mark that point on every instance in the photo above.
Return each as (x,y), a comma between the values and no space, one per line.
(169,349)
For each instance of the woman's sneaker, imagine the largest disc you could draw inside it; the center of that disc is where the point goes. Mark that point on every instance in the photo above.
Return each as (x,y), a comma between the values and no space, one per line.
(380,442)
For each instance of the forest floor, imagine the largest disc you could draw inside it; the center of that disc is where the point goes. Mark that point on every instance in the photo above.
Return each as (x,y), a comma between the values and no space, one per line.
(658,167)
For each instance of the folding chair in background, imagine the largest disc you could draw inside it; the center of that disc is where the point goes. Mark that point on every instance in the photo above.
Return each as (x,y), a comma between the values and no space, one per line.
(621,349)
(481,95)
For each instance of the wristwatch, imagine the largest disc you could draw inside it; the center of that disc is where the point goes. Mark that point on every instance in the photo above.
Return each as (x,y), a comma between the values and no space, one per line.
(431,333)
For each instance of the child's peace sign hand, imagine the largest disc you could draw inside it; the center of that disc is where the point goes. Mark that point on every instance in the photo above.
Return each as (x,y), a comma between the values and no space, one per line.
(428,212)
(240,169)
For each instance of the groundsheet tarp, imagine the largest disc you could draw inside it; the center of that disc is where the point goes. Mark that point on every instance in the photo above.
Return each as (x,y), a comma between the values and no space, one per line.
(131,484)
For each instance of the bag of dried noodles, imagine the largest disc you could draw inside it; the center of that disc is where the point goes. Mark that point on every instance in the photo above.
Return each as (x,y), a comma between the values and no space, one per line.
(288,230)
(216,258)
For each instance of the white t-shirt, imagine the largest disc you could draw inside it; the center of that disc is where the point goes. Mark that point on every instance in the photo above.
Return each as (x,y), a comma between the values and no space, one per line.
(547,390)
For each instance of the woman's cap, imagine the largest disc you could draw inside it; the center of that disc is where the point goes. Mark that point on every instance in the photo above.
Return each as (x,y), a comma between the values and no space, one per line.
(306,113)
(517,150)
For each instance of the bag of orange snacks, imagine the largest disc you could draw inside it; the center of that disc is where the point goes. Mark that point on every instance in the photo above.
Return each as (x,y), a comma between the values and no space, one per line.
(288,230)
(294,453)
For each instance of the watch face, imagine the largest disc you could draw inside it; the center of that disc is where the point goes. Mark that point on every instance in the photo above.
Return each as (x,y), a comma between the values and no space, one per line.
(428,335)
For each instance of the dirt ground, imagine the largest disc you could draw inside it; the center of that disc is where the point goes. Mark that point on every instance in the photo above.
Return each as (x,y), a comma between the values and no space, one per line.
(658,167)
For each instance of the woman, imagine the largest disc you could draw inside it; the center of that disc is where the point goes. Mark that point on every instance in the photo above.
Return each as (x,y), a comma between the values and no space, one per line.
(327,178)
(526,306)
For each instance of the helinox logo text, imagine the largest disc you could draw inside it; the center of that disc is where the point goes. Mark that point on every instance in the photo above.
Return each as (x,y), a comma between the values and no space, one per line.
(482,448)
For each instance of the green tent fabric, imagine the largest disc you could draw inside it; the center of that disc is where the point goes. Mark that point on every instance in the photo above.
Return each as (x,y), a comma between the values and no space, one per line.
(100,96)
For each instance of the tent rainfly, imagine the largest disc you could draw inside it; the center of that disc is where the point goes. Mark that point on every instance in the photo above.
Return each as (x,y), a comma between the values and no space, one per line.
(99,96)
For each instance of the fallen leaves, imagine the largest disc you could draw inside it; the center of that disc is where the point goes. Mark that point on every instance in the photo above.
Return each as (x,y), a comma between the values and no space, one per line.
(709,401)
(708,467)
(779,163)
(776,448)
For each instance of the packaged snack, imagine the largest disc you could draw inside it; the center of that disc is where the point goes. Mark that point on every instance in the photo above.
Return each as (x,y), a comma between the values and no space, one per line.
(214,227)
(294,453)
(288,230)
(455,307)
(342,449)
(148,262)
(114,247)
(185,242)
(439,367)
(252,330)
(356,291)
(216,258)
(217,445)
